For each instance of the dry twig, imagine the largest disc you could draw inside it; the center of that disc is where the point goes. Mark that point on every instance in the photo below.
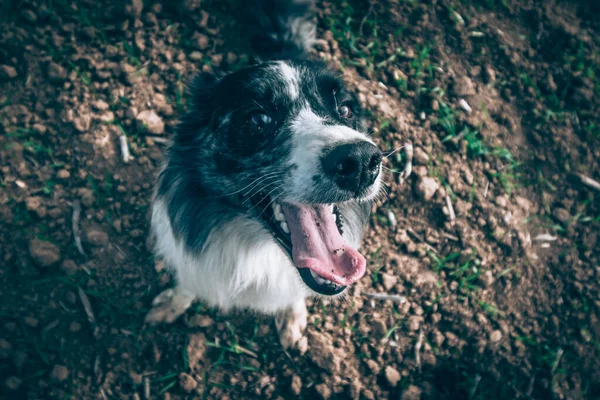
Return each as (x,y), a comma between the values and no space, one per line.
(75,223)
(87,306)
(450,208)
(384,296)
(418,350)
(125,149)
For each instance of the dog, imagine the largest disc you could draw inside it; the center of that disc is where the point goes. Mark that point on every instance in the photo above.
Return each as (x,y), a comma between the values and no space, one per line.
(268,184)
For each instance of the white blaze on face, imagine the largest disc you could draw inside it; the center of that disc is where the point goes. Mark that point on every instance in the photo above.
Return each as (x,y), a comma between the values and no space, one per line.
(289,75)
(311,136)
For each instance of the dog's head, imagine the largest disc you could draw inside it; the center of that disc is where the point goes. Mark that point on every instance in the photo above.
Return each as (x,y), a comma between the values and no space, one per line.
(283,141)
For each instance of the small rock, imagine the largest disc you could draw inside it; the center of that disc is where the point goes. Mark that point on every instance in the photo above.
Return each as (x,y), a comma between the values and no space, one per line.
(69,267)
(149,121)
(82,123)
(490,74)
(43,253)
(59,373)
(100,105)
(496,336)
(56,73)
(411,393)
(39,128)
(63,174)
(392,376)
(420,156)
(323,390)
(322,353)
(134,8)
(5,349)
(296,385)
(196,56)
(561,215)
(426,188)
(451,339)
(96,236)
(486,279)
(31,322)
(389,281)
(75,326)
(33,203)
(12,383)
(202,41)
(187,382)
(464,86)
(199,321)
(379,327)
(7,72)
(413,323)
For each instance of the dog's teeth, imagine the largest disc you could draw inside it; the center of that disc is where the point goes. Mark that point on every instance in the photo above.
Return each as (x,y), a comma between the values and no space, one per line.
(314,274)
(284,227)
(277,208)
(334,217)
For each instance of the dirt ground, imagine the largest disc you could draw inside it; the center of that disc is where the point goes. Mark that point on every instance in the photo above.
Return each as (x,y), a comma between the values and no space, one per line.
(489,254)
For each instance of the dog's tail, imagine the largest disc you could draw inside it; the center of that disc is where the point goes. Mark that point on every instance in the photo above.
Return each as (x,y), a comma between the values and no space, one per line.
(282,29)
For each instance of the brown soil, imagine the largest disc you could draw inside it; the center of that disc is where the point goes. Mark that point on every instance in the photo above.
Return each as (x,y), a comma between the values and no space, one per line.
(490,311)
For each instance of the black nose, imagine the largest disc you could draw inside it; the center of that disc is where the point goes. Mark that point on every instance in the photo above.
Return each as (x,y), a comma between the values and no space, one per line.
(353,166)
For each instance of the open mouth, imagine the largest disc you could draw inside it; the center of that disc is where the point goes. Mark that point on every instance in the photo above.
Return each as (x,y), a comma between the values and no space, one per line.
(312,237)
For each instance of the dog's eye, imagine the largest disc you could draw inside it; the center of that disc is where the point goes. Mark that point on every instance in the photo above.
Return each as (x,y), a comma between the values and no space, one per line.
(345,111)
(261,119)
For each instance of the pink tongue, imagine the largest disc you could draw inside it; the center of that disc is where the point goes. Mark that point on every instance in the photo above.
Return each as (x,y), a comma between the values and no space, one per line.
(318,245)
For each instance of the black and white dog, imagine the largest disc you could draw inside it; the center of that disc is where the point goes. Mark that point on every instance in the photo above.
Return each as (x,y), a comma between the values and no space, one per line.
(268,184)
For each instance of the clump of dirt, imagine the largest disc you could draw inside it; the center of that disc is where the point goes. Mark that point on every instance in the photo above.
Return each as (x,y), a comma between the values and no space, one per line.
(484,264)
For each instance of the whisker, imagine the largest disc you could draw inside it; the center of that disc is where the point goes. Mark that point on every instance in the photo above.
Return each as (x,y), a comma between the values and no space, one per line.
(391,170)
(249,194)
(253,183)
(393,151)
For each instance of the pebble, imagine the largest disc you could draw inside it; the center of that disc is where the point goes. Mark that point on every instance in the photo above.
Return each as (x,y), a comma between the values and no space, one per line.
(199,321)
(31,322)
(392,376)
(389,281)
(82,123)
(414,323)
(411,393)
(75,326)
(426,188)
(202,41)
(12,383)
(33,203)
(187,382)
(59,373)
(486,279)
(7,72)
(561,215)
(63,174)
(69,267)
(464,86)
(496,336)
(296,385)
(323,390)
(134,8)
(56,73)
(96,236)
(149,121)
(196,56)
(420,156)
(100,105)
(43,253)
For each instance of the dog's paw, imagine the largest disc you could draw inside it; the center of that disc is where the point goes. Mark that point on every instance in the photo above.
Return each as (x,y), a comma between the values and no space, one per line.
(291,325)
(168,306)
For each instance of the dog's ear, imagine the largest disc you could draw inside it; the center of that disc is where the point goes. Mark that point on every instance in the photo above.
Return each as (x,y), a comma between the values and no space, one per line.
(201,90)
